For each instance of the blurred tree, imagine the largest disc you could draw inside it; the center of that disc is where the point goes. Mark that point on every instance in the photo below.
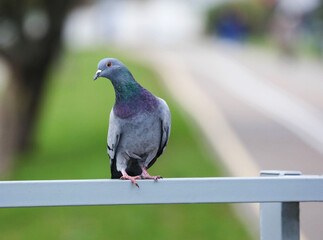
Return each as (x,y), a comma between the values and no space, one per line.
(30,38)
(237,20)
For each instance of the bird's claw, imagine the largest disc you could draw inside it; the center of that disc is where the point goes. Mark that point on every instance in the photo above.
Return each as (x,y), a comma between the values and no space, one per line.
(155,178)
(132,179)
(146,175)
(158,177)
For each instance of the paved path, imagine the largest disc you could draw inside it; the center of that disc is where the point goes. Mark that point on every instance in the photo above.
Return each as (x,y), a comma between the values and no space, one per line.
(279,128)
(258,110)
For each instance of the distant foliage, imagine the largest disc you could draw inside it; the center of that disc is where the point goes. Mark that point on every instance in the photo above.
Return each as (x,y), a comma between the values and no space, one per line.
(238,19)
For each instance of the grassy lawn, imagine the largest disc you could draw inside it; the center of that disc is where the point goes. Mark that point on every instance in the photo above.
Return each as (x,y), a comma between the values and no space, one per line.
(71,144)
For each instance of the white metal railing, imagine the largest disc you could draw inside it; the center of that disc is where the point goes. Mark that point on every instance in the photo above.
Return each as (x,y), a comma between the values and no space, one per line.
(279,196)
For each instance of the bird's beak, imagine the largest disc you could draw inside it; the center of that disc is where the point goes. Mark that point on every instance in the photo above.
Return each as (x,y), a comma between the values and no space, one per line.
(97,74)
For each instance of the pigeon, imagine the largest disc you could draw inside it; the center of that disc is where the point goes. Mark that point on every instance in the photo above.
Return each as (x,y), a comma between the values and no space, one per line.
(139,125)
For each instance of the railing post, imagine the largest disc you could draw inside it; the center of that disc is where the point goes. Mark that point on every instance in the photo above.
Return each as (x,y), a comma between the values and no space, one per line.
(279,221)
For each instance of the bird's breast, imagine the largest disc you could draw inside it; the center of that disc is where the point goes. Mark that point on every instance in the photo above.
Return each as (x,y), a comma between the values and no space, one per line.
(127,108)
(142,134)
(125,111)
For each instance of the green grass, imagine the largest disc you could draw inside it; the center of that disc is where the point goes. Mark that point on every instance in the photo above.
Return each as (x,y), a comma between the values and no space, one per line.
(71,144)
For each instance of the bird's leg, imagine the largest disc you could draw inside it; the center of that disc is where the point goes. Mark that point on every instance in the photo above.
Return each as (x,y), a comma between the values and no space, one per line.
(125,176)
(145,175)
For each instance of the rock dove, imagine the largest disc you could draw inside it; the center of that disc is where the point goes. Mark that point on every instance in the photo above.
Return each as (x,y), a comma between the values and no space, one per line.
(139,126)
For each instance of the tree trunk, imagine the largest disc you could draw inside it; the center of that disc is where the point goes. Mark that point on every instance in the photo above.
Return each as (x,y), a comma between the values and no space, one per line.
(29,61)
(18,113)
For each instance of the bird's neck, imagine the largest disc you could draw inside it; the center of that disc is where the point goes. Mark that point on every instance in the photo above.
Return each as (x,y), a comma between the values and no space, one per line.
(132,98)
(127,91)
(125,86)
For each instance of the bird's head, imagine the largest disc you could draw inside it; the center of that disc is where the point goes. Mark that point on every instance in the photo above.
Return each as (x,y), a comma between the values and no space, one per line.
(110,68)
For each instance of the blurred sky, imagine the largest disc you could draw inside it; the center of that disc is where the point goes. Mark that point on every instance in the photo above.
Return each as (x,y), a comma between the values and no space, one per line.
(135,22)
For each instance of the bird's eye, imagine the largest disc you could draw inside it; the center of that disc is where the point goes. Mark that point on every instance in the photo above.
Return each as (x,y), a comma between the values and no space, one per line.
(109,64)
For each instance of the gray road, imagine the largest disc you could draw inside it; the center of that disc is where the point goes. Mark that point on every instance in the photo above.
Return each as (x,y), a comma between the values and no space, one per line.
(271,107)
(277,116)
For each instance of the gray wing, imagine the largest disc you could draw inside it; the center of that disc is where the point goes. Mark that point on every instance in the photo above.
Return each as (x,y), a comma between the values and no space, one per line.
(114,135)
(165,125)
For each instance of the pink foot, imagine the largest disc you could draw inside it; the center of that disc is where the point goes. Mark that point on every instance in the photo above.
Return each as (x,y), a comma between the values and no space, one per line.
(145,175)
(125,176)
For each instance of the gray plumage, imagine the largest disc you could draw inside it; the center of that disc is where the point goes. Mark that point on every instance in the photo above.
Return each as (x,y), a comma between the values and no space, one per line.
(139,125)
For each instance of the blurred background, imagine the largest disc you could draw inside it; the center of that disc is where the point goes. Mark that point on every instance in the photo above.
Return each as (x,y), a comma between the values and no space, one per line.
(243,80)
